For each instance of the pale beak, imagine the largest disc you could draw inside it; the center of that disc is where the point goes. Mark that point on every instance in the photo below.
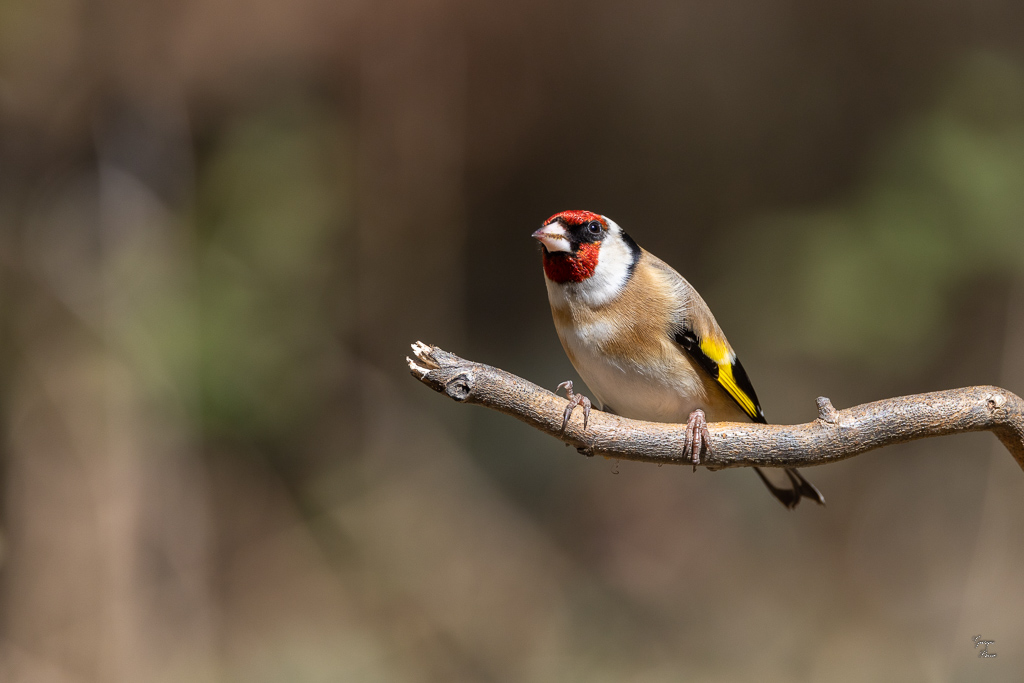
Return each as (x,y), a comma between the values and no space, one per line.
(554,238)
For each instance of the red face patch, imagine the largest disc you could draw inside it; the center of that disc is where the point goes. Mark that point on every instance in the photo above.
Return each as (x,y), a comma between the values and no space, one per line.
(563,266)
(575,217)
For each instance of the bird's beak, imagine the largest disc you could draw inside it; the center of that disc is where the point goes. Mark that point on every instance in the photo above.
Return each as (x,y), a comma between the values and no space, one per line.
(554,238)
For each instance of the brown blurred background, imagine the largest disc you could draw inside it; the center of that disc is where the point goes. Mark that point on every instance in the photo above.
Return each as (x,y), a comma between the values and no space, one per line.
(223,222)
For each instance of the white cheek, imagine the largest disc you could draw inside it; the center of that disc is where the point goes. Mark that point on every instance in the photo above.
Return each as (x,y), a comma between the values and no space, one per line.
(613,262)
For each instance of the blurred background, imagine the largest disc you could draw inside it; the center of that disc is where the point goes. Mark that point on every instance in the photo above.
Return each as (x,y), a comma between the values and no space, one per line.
(222,222)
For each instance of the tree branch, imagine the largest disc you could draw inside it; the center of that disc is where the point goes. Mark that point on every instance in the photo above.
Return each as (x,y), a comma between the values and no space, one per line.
(834,435)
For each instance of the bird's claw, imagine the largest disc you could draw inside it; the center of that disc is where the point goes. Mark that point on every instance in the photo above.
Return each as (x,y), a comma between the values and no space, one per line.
(696,437)
(574,400)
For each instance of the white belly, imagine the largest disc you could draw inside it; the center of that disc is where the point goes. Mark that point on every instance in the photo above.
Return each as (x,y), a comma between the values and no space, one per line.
(664,391)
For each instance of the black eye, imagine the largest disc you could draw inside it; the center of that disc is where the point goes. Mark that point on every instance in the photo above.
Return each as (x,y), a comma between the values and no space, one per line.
(594,227)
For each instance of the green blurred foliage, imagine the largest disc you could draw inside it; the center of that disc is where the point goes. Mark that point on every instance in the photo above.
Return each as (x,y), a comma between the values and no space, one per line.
(941,205)
(272,207)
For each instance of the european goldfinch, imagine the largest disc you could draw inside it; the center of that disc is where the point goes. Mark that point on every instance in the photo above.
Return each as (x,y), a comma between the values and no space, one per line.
(643,339)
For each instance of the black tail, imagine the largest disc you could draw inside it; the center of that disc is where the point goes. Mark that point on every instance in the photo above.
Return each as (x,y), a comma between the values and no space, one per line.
(791,497)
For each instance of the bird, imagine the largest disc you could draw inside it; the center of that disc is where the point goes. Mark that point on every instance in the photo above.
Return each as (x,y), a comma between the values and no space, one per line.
(643,339)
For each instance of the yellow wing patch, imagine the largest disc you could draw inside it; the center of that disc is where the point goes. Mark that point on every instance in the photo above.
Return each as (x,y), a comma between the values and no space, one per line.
(715,350)
(719,353)
(726,379)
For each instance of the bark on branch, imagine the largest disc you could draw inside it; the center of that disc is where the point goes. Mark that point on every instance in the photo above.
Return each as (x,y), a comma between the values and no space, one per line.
(834,435)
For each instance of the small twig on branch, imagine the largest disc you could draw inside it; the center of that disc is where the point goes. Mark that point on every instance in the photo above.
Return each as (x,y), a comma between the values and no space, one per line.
(834,435)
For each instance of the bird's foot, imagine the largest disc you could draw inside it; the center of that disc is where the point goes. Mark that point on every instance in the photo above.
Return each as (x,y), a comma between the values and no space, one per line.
(574,400)
(696,437)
